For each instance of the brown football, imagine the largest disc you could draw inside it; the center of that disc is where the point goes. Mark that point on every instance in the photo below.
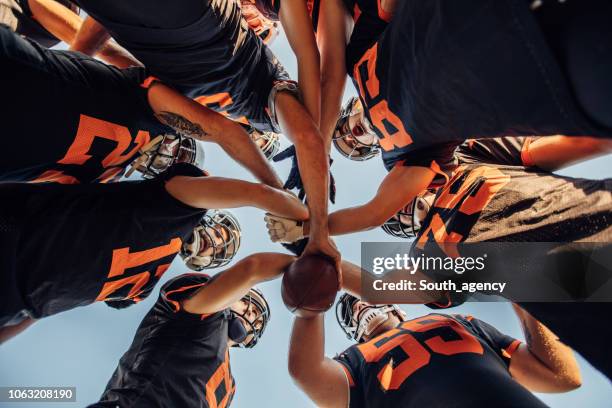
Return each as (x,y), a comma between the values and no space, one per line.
(310,285)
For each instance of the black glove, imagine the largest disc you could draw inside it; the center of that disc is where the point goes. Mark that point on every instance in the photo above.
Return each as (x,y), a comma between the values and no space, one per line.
(294,180)
(297,247)
(120,304)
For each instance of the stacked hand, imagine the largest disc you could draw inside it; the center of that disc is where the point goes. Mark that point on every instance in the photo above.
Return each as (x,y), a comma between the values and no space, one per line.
(284,230)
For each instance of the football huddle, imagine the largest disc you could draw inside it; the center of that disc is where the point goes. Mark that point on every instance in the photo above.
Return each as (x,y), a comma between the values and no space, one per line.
(472,106)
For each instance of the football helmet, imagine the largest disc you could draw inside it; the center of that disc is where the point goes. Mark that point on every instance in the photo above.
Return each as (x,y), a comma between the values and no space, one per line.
(247,327)
(406,223)
(357,324)
(263,26)
(346,142)
(214,242)
(268,142)
(165,150)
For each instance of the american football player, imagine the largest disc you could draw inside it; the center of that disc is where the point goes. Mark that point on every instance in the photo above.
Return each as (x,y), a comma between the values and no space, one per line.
(90,119)
(180,355)
(445,85)
(48,22)
(67,245)
(435,360)
(206,50)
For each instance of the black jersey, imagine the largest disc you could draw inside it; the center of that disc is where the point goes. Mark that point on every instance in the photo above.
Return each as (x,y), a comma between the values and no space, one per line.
(18,16)
(69,118)
(435,361)
(71,245)
(445,71)
(492,197)
(203,48)
(177,359)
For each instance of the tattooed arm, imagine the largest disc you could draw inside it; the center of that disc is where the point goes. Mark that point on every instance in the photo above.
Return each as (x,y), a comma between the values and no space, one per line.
(192,119)
(545,364)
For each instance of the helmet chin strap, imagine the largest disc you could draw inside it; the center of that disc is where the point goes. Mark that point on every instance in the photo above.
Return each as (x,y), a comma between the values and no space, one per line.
(194,249)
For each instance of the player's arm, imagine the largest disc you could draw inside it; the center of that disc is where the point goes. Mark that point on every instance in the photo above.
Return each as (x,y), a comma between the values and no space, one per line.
(544,364)
(555,152)
(65,24)
(192,119)
(8,332)
(313,164)
(332,36)
(398,188)
(219,192)
(298,28)
(320,377)
(232,284)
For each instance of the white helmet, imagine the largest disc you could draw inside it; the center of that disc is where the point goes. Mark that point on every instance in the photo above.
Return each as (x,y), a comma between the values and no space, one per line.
(165,150)
(356,325)
(214,242)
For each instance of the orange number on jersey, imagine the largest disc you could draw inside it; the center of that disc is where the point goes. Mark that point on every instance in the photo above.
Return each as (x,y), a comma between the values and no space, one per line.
(123,259)
(382,117)
(494,180)
(223,100)
(90,128)
(392,376)
(466,344)
(221,375)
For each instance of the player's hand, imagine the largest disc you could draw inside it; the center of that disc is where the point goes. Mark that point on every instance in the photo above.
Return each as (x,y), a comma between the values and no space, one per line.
(324,245)
(284,230)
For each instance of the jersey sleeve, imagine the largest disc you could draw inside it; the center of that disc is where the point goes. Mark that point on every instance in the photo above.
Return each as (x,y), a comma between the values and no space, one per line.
(439,158)
(350,362)
(501,343)
(512,151)
(181,288)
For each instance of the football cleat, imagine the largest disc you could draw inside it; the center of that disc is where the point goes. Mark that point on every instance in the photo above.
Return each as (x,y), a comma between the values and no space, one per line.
(254,319)
(214,242)
(164,151)
(359,147)
(406,223)
(363,322)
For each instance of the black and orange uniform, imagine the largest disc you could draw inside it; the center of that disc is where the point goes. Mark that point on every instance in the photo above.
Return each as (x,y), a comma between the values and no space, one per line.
(17,14)
(435,361)
(177,359)
(69,118)
(496,194)
(203,48)
(68,245)
(442,72)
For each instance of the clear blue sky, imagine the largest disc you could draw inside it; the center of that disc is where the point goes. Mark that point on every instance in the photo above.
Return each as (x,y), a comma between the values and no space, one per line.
(81,348)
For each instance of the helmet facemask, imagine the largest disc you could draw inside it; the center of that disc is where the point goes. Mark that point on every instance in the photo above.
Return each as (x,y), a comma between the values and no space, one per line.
(407,223)
(164,151)
(350,145)
(360,325)
(213,243)
(268,142)
(254,301)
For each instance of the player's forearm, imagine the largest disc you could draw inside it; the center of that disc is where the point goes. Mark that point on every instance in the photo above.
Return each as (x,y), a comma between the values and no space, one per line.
(278,202)
(562,371)
(239,146)
(350,220)
(90,38)
(116,55)
(312,160)
(232,284)
(56,18)
(555,152)
(332,89)
(306,349)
